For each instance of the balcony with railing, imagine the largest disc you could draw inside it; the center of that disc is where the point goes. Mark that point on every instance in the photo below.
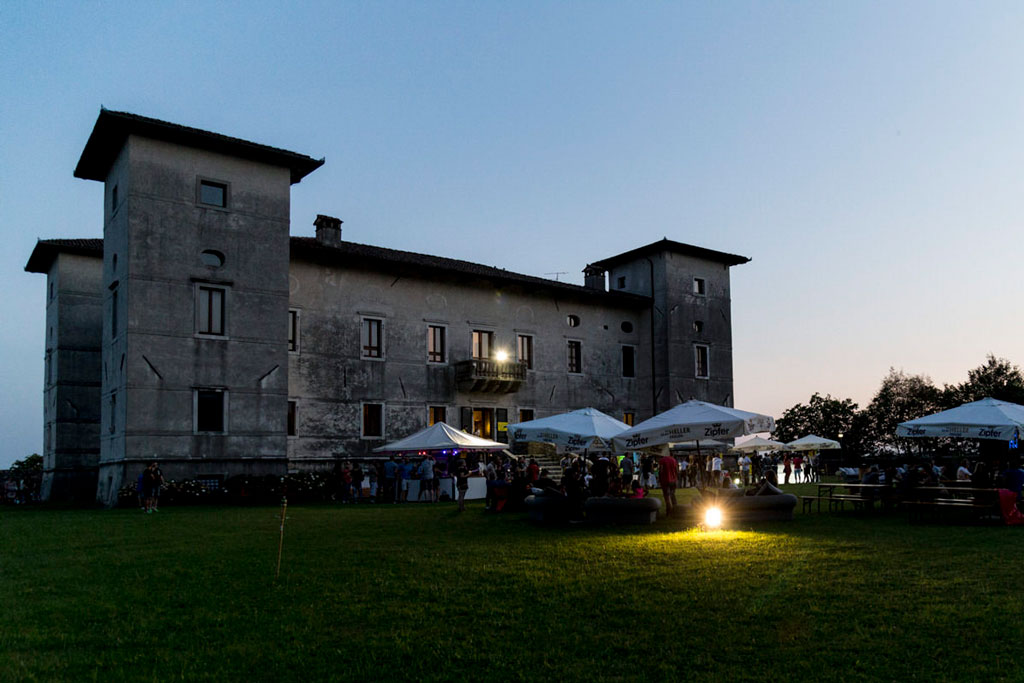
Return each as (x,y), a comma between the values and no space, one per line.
(490,376)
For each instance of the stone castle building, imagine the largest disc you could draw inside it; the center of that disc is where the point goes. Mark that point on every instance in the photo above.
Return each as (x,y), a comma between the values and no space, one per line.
(199,333)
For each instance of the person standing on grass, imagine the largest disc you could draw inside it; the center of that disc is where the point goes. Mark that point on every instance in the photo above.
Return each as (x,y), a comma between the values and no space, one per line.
(668,477)
(627,470)
(716,470)
(357,481)
(405,474)
(744,463)
(798,468)
(390,476)
(149,487)
(787,469)
(462,483)
(426,479)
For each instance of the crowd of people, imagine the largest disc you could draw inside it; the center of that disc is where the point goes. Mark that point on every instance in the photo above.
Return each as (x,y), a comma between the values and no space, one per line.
(980,474)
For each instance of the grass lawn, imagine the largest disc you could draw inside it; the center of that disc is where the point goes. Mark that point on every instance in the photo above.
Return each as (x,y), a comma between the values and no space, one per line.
(422,592)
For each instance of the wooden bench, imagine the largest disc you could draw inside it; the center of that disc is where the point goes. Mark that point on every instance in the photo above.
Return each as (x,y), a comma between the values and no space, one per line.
(922,510)
(840,500)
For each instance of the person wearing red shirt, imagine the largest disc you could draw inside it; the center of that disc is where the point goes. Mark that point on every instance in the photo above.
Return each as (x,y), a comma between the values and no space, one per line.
(668,476)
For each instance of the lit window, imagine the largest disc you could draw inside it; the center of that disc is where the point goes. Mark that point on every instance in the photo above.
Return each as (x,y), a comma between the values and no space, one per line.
(210,316)
(293,330)
(435,344)
(698,286)
(701,360)
(629,361)
(525,350)
(629,418)
(373,420)
(210,407)
(213,194)
(482,342)
(436,414)
(575,358)
(372,338)
(293,417)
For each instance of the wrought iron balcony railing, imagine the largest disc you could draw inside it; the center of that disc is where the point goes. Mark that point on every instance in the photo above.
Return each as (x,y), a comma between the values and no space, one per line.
(492,376)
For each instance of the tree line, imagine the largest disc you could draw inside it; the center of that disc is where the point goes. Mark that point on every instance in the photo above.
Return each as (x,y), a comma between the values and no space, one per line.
(900,397)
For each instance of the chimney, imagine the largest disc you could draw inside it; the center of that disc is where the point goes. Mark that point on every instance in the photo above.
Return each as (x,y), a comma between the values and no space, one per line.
(593,278)
(328,229)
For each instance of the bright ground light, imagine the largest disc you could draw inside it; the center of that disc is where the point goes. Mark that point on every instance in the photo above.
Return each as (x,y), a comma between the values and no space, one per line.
(713,517)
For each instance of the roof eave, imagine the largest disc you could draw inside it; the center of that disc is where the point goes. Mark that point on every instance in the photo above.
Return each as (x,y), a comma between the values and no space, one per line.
(112,128)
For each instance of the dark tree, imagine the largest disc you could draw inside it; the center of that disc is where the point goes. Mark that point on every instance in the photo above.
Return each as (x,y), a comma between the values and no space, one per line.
(821,415)
(31,463)
(997,378)
(901,397)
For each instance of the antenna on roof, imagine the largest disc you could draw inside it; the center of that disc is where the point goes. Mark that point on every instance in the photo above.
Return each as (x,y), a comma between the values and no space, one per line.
(557,273)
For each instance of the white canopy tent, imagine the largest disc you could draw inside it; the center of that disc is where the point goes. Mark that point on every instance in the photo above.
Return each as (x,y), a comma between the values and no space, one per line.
(585,428)
(439,437)
(985,419)
(693,420)
(759,444)
(813,443)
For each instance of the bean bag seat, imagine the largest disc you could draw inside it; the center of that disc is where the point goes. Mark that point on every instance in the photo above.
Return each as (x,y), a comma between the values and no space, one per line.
(770,508)
(550,507)
(605,510)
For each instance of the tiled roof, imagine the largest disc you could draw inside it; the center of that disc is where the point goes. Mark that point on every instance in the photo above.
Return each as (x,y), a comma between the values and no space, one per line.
(352,254)
(113,127)
(355,255)
(45,250)
(675,247)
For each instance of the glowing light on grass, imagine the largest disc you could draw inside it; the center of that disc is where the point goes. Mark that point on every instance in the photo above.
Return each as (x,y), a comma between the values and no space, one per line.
(713,518)
(737,481)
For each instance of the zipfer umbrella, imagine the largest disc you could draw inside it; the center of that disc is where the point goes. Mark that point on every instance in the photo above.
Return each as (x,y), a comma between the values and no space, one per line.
(584,428)
(693,420)
(984,419)
(759,444)
(813,443)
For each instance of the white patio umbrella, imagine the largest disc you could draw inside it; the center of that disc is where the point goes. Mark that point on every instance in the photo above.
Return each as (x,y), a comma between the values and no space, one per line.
(709,444)
(693,420)
(759,444)
(584,428)
(440,437)
(813,443)
(984,419)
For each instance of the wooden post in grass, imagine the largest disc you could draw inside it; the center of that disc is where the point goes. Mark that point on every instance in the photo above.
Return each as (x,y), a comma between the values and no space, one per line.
(280,541)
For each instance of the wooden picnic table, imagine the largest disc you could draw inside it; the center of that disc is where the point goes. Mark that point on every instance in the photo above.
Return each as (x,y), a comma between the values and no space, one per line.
(858,493)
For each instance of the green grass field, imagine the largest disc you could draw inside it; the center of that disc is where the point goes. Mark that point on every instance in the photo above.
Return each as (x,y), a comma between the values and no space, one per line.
(422,592)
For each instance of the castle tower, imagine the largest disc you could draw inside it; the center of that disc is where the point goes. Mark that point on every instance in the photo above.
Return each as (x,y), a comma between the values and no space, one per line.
(194,343)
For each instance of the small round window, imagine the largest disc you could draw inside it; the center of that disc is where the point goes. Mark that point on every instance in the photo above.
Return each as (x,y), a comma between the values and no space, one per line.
(212,258)
(627,326)
(573,321)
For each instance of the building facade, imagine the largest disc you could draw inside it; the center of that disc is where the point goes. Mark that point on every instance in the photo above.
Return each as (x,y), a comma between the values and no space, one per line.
(199,333)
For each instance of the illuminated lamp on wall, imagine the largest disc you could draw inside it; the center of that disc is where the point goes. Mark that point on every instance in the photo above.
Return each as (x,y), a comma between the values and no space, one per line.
(501,355)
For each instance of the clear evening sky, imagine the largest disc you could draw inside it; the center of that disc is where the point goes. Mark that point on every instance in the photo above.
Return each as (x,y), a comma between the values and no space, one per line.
(869,157)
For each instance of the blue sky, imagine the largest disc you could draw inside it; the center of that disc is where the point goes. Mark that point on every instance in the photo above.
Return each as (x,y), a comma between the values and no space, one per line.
(867,156)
